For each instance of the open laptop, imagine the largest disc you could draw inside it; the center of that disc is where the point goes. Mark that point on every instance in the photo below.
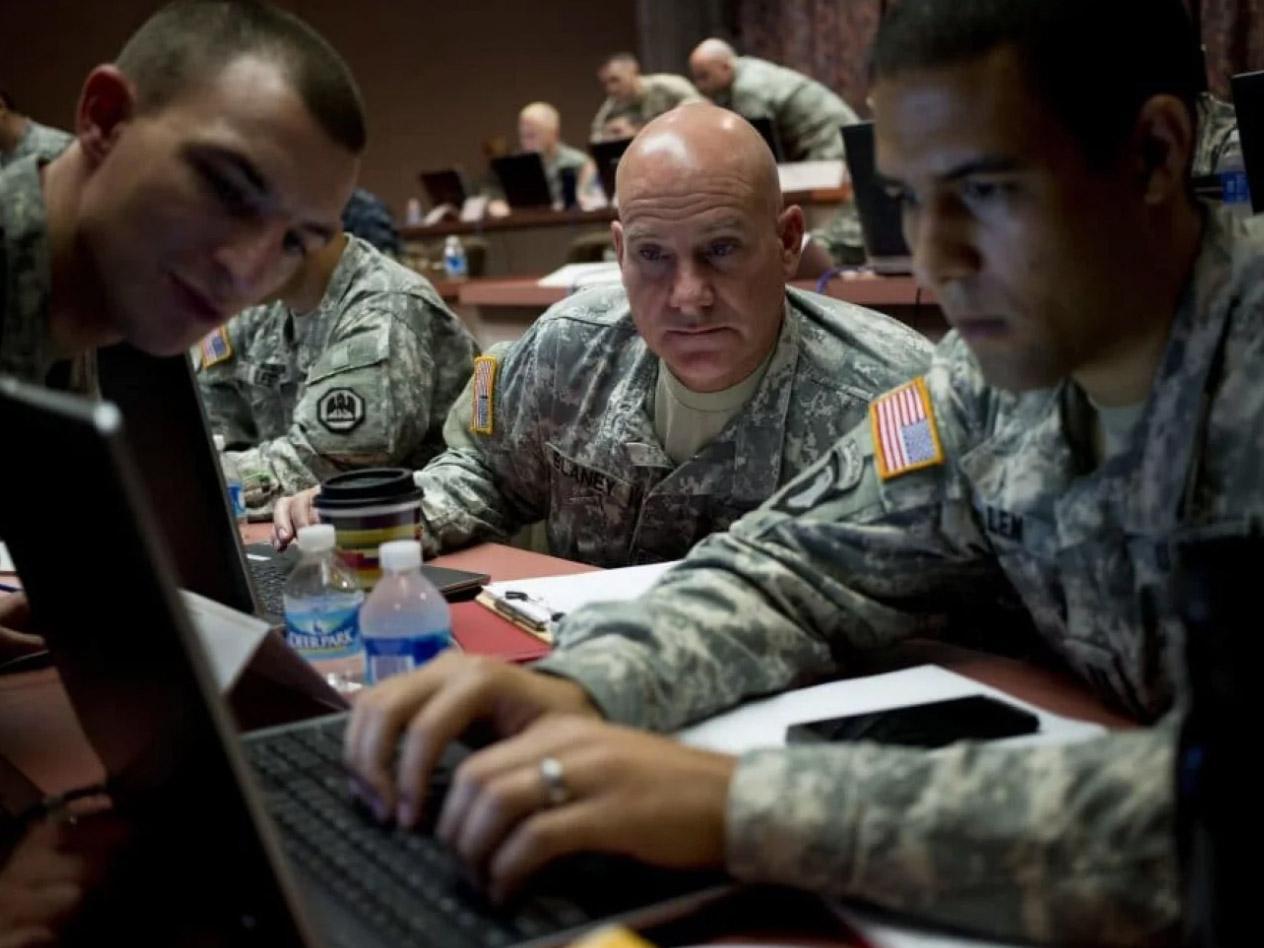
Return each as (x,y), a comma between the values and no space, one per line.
(445,186)
(880,215)
(173,449)
(523,180)
(606,156)
(1248,102)
(242,841)
(767,129)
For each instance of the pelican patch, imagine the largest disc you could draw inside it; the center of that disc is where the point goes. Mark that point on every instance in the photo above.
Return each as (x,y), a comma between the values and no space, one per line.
(340,410)
(483,414)
(215,348)
(905,436)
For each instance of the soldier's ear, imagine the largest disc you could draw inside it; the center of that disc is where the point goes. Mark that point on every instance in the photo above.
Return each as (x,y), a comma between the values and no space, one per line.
(616,233)
(791,227)
(1163,146)
(106,104)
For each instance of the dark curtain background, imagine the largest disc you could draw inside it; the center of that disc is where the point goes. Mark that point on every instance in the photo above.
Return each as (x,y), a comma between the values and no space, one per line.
(829,39)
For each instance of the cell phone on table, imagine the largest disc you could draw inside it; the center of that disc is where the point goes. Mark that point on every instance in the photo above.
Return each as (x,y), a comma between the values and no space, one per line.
(935,724)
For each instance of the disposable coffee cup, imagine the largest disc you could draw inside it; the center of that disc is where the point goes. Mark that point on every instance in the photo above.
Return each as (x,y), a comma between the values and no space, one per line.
(367,508)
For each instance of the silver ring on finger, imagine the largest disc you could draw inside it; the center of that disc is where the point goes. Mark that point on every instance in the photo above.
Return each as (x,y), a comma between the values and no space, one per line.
(551,775)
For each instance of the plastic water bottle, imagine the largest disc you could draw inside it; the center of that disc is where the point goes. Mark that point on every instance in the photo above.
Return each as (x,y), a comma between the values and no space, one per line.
(405,621)
(322,599)
(232,479)
(454,263)
(1232,171)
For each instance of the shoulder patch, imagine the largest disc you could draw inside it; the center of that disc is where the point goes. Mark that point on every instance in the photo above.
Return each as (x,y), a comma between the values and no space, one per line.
(215,348)
(340,410)
(483,415)
(905,435)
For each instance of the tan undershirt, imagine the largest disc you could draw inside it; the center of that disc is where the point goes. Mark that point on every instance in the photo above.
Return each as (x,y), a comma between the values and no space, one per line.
(685,420)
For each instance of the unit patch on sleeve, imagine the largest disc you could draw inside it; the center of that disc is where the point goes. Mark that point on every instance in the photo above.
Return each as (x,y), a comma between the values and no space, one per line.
(905,435)
(215,348)
(483,415)
(340,410)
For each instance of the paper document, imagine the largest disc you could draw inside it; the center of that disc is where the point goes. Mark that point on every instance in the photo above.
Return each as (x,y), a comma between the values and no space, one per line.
(532,604)
(761,724)
(229,638)
(577,276)
(811,175)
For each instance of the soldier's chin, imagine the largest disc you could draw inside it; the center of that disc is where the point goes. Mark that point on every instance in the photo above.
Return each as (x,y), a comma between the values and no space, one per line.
(1017,375)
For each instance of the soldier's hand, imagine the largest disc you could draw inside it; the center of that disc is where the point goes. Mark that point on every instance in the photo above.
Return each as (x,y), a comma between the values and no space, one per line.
(604,788)
(16,633)
(292,513)
(421,713)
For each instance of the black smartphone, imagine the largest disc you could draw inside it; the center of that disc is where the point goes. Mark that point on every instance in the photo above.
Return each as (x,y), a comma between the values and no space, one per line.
(936,724)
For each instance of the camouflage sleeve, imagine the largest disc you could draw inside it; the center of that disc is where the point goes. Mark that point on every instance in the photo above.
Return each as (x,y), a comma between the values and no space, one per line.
(600,119)
(835,562)
(490,482)
(227,408)
(366,402)
(1070,844)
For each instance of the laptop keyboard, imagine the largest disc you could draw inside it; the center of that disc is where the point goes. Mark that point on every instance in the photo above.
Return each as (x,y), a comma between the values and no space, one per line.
(407,886)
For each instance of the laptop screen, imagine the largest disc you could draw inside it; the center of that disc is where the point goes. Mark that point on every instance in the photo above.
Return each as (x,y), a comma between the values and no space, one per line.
(880,216)
(1248,101)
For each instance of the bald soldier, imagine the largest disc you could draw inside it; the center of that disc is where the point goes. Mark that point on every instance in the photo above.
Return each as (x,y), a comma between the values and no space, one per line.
(806,115)
(355,363)
(636,420)
(632,99)
(1093,419)
(540,130)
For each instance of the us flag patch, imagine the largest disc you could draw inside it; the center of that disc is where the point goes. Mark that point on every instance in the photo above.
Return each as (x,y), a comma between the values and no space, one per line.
(483,415)
(905,437)
(216,348)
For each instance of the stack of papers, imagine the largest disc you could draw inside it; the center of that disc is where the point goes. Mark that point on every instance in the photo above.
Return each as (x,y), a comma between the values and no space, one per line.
(577,276)
(811,175)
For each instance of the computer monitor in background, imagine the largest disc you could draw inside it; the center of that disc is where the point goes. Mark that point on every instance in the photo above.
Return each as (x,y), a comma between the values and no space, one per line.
(445,186)
(522,178)
(1248,101)
(881,221)
(768,131)
(606,156)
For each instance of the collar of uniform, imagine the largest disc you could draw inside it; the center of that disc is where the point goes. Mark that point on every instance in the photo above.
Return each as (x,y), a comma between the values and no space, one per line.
(27,347)
(635,426)
(313,329)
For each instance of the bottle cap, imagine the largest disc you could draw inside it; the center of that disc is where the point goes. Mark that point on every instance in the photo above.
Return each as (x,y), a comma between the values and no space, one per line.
(316,538)
(399,555)
(219,442)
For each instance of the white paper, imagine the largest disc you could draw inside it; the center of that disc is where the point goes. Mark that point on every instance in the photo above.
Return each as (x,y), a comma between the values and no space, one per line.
(229,638)
(762,724)
(6,561)
(567,593)
(884,931)
(473,209)
(576,276)
(811,175)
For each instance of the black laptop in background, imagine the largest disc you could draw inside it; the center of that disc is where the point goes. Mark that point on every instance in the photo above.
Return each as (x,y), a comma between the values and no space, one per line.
(767,129)
(1248,102)
(881,222)
(523,180)
(445,186)
(172,447)
(606,157)
(242,841)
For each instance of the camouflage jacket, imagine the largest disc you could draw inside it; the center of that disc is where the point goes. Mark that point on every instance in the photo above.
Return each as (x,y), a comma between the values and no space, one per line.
(1217,122)
(1073,844)
(805,113)
(572,438)
(660,92)
(39,140)
(365,379)
(26,349)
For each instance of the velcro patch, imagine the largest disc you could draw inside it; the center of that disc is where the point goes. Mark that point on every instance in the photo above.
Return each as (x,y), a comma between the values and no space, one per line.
(340,410)
(215,348)
(905,435)
(483,414)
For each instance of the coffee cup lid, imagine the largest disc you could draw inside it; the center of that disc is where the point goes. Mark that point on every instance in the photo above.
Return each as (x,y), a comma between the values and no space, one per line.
(368,486)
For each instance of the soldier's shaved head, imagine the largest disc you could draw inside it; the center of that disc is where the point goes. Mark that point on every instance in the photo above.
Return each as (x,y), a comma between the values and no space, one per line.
(542,114)
(704,244)
(713,64)
(539,128)
(696,146)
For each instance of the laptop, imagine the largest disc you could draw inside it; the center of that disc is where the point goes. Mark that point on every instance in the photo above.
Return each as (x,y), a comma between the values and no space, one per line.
(1248,102)
(244,840)
(606,156)
(445,186)
(173,449)
(881,219)
(523,180)
(767,129)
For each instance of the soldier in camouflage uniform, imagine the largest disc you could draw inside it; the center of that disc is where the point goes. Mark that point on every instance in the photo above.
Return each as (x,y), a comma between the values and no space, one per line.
(364,377)
(634,97)
(806,115)
(21,136)
(1056,455)
(1217,126)
(581,424)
